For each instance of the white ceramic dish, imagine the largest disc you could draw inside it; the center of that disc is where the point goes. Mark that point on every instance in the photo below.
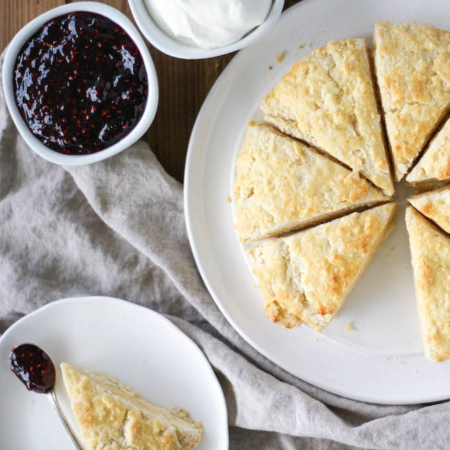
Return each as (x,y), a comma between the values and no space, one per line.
(8,68)
(136,345)
(382,361)
(172,47)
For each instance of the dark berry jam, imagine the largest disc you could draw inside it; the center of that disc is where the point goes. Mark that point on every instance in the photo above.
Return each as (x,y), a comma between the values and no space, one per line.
(80,83)
(33,367)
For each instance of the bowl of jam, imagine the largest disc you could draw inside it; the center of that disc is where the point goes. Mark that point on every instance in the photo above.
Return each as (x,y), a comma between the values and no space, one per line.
(80,83)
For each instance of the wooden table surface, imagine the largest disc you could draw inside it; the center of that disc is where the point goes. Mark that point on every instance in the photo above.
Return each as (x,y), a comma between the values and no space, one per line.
(183,85)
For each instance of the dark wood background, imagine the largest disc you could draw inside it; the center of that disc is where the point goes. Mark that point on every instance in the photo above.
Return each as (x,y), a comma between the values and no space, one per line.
(183,85)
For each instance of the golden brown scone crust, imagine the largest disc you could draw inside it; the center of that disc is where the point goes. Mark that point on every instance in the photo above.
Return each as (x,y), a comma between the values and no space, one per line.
(328,100)
(435,205)
(412,65)
(283,185)
(310,274)
(430,255)
(280,315)
(435,163)
(111,416)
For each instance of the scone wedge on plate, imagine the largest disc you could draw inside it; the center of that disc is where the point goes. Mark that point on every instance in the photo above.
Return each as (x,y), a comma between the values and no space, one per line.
(412,65)
(283,185)
(434,166)
(112,416)
(328,99)
(430,256)
(435,205)
(307,276)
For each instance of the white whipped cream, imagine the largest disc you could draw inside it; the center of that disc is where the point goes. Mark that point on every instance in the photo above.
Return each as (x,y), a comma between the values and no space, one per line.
(208,23)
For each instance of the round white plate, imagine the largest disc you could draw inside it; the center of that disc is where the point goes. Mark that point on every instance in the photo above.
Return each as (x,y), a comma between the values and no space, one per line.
(382,360)
(137,346)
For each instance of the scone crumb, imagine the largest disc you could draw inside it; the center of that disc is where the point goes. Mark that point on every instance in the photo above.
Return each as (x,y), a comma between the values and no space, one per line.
(270,67)
(300,47)
(229,199)
(349,326)
(280,57)
(309,46)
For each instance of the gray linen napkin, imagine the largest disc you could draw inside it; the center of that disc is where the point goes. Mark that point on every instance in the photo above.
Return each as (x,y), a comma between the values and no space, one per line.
(117,228)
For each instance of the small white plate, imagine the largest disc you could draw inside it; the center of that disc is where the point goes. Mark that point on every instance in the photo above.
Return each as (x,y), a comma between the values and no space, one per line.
(381,361)
(134,344)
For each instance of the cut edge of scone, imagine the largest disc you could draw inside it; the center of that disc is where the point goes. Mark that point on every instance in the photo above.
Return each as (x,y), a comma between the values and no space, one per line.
(407,146)
(260,212)
(282,283)
(119,403)
(387,145)
(280,113)
(428,185)
(275,312)
(432,168)
(435,205)
(423,234)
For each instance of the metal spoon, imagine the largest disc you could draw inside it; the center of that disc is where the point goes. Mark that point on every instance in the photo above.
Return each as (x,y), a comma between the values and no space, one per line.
(36,371)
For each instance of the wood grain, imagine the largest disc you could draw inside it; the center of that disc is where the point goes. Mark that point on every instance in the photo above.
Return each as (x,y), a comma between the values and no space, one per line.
(183,85)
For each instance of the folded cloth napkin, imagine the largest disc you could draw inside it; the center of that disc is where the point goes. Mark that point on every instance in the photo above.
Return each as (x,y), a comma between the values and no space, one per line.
(117,228)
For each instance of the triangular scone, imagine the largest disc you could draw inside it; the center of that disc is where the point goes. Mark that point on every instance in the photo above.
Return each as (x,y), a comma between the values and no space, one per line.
(328,100)
(434,166)
(435,205)
(283,185)
(412,65)
(430,255)
(112,416)
(310,274)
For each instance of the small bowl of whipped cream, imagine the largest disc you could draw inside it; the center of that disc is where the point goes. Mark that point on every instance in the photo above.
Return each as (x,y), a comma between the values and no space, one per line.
(199,29)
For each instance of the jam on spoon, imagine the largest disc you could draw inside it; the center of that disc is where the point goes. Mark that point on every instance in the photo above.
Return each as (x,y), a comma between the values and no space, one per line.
(33,367)
(80,83)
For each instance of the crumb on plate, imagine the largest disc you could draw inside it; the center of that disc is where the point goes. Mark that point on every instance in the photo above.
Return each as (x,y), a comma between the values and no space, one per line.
(280,57)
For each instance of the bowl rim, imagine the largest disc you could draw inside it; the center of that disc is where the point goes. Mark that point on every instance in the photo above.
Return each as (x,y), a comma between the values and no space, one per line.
(172,47)
(7,77)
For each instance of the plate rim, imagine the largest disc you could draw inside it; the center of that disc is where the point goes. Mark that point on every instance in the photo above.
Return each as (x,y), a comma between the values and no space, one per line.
(206,108)
(221,402)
